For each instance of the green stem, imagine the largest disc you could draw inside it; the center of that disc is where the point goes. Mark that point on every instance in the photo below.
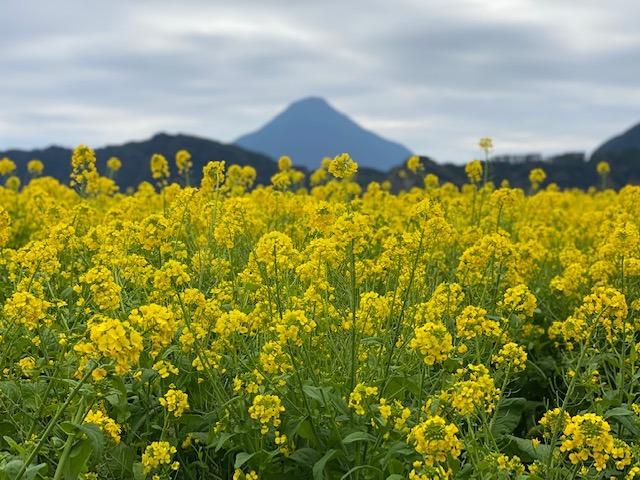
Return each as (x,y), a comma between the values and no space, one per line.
(52,424)
(80,414)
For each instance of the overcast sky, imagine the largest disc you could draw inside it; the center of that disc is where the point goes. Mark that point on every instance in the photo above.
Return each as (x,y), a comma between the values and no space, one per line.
(435,75)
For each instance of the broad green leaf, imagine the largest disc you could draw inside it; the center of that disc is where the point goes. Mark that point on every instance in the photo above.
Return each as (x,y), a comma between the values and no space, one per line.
(358,437)
(305,456)
(508,416)
(313,392)
(77,461)
(525,446)
(242,458)
(318,468)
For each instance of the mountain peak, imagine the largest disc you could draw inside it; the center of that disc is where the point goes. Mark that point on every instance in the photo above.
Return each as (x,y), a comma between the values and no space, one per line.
(311,128)
(308,102)
(620,146)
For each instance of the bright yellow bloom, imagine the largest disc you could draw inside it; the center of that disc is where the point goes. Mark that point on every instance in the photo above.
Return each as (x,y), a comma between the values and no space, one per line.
(435,439)
(114,164)
(537,176)
(433,342)
(112,339)
(165,368)
(284,163)
(7,166)
(474,391)
(104,423)
(5,223)
(35,167)
(603,168)
(512,357)
(159,167)
(26,309)
(358,397)
(156,455)
(414,164)
(175,401)
(183,162)
(342,166)
(266,409)
(473,169)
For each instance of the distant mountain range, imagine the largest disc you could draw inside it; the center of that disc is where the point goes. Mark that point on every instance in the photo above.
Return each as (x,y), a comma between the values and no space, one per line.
(623,153)
(135,157)
(311,129)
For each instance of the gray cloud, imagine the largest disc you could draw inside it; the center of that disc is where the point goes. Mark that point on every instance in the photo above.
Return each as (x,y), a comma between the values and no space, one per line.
(537,75)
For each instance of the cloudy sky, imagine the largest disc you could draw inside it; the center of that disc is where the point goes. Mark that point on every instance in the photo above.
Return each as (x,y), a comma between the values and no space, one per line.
(435,75)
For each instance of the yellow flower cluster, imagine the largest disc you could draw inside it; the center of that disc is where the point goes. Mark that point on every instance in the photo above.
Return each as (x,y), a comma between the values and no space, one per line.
(511,356)
(588,437)
(433,342)
(158,454)
(114,340)
(473,322)
(536,177)
(603,168)
(372,311)
(175,401)
(605,309)
(104,423)
(6,166)
(342,166)
(473,169)
(518,300)
(105,292)
(473,392)
(165,368)
(35,167)
(26,309)
(266,409)
(159,167)
(436,440)
(114,164)
(414,164)
(84,173)
(358,397)
(158,324)
(4,227)
(183,162)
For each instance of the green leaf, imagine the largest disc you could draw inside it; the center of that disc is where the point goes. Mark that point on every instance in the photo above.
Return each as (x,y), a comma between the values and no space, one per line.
(68,427)
(525,446)
(395,466)
(314,393)
(14,445)
(318,468)
(618,412)
(121,459)
(12,467)
(624,417)
(95,436)
(305,456)
(77,461)
(304,430)
(138,471)
(358,437)
(396,450)
(395,476)
(220,440)
(242,458)
(508,416)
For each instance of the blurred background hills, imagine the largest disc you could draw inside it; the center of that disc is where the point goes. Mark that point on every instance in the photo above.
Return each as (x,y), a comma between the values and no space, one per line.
(310,129)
